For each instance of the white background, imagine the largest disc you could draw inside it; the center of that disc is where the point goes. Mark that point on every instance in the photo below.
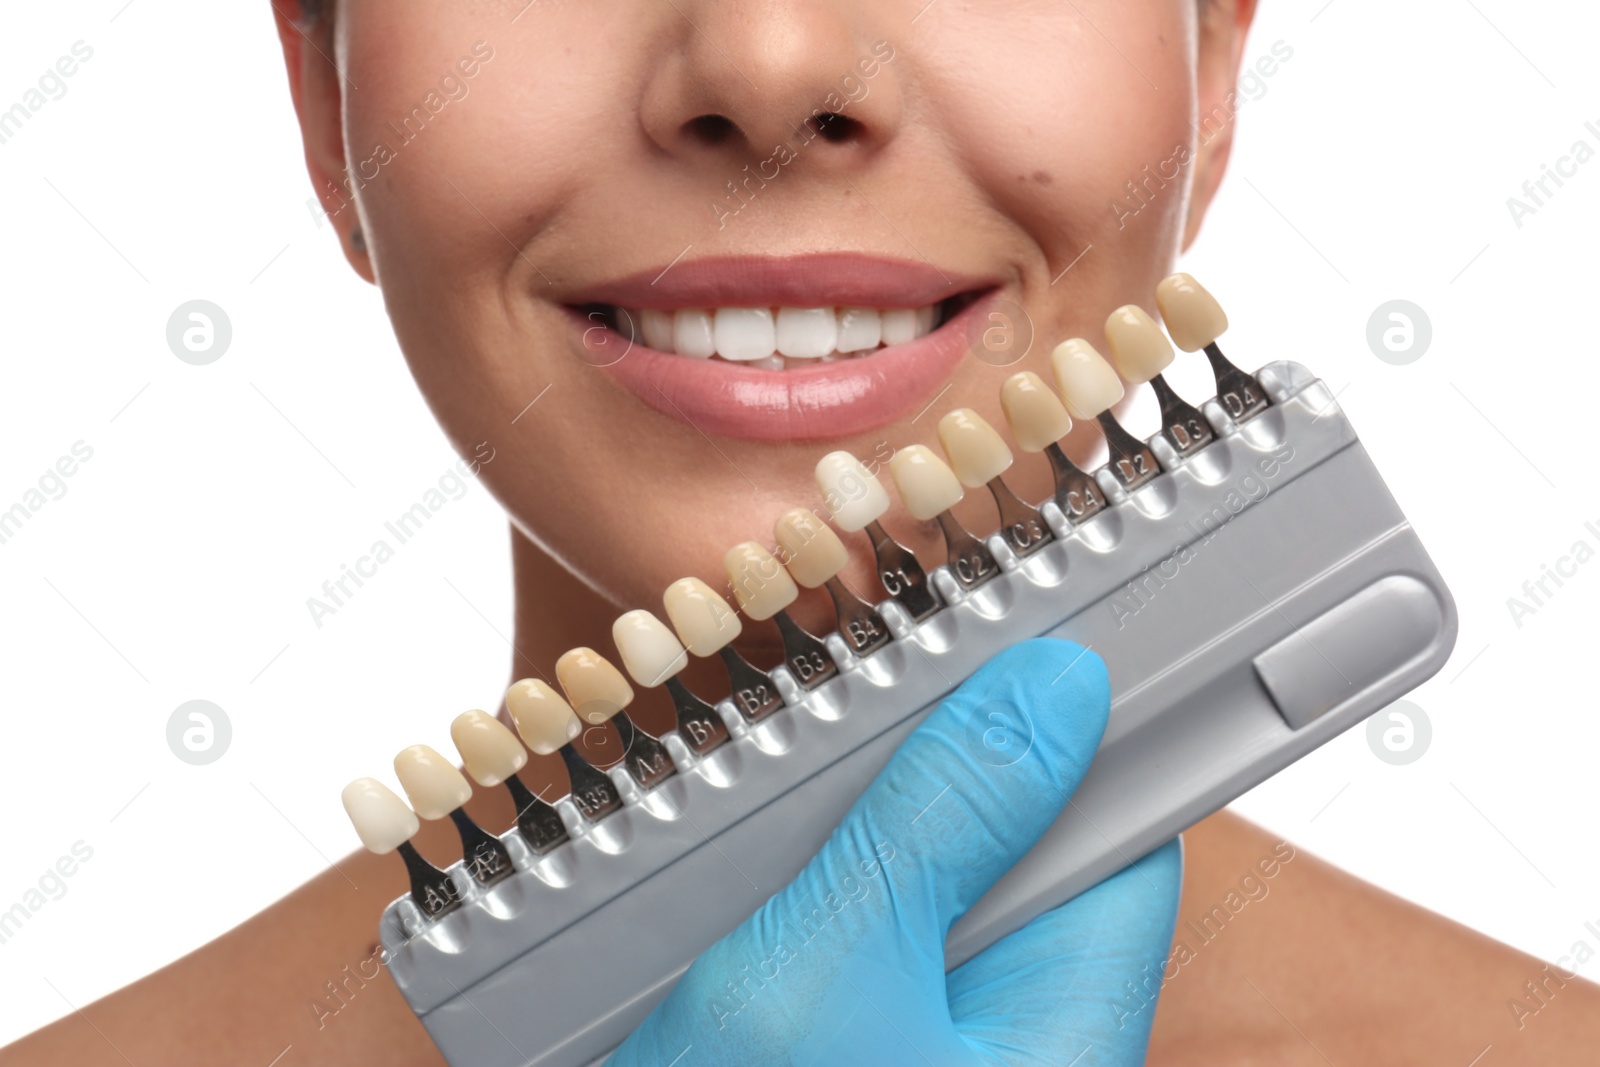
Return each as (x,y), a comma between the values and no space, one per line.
(1376,165)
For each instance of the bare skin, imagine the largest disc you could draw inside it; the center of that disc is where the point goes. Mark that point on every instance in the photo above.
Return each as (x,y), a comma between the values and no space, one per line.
(1323,969)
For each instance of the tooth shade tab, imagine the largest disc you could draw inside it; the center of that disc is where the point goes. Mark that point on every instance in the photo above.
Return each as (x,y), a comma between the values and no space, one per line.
(853,496)
(542,716)
(1192,314)
(1033,412)
(382,820)
(703,621)
(927,485)
(859,329)
(744,334)
(490,752)
(763,587)
(978,454)
(594,687)
(1139,347)
(807,333)
(651,653)
(1087,382)
(432,782)
(692,334)
(813,552)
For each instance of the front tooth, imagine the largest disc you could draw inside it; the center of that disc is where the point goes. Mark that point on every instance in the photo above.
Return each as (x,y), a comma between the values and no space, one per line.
(490,752)
(1086,380)
(744,334)
(701,617)
(594,687)
(853,496)
(657,327)
(1192,314)
(543,717)
(382,820)
(860,329)
(899,325)
(432,782)
(807,333)
(763,587)
(692,333)
(925,320)
(649,650)
(814,551)
(927,486)
(1137,343)
(1033,412)
(976,450)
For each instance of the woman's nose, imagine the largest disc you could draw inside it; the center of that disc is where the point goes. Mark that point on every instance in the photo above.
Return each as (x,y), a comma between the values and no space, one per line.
(736,77)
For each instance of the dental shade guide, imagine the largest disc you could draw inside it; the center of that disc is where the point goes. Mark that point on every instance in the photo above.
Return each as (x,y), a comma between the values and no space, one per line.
(1217,684)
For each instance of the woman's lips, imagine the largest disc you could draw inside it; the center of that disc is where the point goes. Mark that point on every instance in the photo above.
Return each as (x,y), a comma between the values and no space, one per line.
(827,400)
(836,399)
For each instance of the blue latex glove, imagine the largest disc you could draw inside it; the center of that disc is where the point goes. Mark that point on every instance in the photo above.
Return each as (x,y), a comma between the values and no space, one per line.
(846,965)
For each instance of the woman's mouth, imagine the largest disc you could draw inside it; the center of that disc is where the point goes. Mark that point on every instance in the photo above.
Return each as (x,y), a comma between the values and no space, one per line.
(782,348)
(770,338)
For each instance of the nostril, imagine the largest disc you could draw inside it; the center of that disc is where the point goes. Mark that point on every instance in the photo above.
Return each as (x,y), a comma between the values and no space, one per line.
(711,129)
(834,127)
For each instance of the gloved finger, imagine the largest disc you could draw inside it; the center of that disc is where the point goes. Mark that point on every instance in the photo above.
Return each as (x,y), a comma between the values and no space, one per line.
(966,795)
(1084,976)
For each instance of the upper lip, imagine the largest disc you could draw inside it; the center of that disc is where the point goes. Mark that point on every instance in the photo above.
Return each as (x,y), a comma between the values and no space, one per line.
(828,279)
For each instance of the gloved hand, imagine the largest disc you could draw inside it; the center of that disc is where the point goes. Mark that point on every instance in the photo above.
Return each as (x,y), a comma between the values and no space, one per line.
(845,966)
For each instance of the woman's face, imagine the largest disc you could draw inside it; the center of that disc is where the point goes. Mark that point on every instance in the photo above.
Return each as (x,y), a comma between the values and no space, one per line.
(530,178)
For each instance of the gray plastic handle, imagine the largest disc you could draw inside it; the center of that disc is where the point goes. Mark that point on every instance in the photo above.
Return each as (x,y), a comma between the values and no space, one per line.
(1251,603)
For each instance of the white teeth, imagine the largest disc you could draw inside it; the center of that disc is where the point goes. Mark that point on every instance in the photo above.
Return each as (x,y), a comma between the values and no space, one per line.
(785,338)
(807,333)
(692,333)
(745,334)
(657,327)
(860,329)
(899,326)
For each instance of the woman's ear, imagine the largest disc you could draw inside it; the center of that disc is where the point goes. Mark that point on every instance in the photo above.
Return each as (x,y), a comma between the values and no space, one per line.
(317,86)
(1223,27)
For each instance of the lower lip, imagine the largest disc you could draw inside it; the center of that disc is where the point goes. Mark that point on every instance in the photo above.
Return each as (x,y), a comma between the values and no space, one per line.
(837,399)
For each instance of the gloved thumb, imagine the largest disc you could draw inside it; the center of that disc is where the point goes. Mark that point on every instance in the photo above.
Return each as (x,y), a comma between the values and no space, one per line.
(967,794)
